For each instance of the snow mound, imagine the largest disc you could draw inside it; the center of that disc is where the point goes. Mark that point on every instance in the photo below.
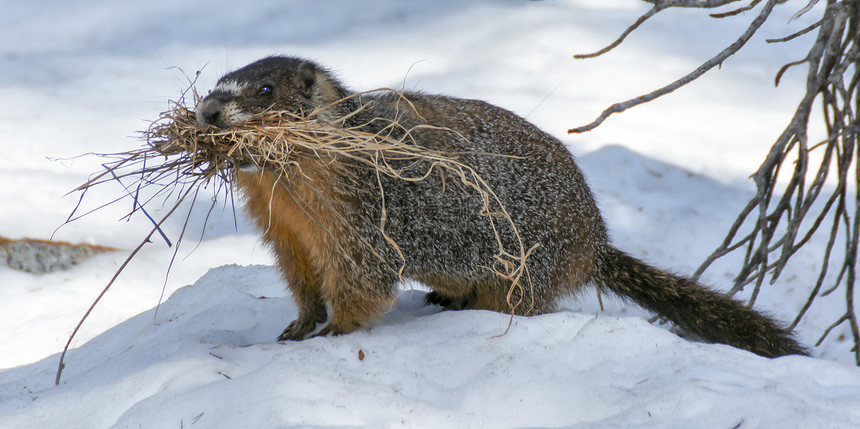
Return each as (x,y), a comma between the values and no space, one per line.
(206,358)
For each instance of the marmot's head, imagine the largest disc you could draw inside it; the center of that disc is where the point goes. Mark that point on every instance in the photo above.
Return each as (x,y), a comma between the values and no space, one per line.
(279,83)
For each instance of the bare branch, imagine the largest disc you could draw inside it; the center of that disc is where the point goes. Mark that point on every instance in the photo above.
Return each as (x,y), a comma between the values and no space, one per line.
(807,8)
(784,215)
(659,5)
(796,34)
(700,4)
(736,11)
(653,11)
(695,74)
(785,68)
(838,322)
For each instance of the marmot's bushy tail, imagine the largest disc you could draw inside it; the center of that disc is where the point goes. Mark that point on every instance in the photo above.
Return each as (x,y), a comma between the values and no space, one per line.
(711,315)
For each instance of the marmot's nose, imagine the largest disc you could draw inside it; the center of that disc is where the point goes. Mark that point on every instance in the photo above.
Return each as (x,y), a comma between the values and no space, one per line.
(208,112)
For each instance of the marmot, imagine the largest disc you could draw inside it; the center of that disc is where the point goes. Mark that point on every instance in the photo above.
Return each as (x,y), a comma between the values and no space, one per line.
(335,257)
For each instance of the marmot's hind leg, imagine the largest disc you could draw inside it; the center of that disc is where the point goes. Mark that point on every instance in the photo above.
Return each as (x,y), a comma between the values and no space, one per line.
(449,302)
(492,294)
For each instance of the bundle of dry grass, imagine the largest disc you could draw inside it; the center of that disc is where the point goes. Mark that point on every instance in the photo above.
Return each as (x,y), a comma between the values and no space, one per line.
(278,140)
(179,154)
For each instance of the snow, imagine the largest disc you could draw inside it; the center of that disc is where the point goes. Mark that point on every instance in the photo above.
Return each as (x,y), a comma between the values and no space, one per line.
(82,77)
(211,363)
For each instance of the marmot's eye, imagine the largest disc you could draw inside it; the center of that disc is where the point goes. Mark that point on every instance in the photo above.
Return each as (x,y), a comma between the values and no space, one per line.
(265,90)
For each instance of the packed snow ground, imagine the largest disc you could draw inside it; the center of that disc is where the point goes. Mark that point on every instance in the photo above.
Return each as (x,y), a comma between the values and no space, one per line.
(670,176)
(204,362)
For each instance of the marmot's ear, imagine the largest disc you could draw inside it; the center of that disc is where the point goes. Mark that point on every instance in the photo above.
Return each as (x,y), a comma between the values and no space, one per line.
(306,76)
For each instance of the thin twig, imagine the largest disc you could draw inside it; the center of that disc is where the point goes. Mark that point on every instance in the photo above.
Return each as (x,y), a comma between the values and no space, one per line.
(651,12)
(695,74)
(125,263)
(736,11)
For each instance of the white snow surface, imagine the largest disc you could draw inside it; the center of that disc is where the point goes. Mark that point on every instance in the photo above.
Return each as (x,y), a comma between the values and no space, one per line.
(670,176)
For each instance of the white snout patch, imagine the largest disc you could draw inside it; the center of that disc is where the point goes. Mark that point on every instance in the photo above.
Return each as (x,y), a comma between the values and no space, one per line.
(230,86)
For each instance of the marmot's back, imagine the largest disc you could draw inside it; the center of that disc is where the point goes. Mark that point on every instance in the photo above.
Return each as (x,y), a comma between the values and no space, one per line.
(531,172)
